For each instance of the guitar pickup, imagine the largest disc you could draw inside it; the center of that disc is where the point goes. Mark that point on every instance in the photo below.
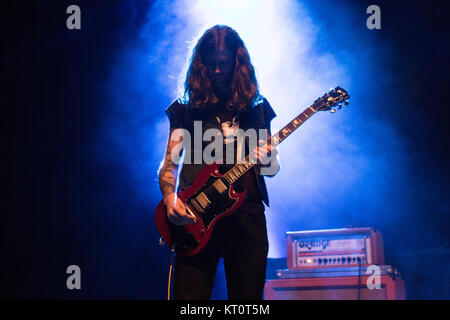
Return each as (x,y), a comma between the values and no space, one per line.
(220,186)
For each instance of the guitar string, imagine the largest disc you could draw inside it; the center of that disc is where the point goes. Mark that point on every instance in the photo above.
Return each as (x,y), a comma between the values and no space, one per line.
(246,159)
(210,188)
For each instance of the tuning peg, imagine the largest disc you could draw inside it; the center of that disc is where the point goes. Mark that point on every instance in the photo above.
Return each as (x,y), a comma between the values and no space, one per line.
(332,110)
(339,106)
(346,102)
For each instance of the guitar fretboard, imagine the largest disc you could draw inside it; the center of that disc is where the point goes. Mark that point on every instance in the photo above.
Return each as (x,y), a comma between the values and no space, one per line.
(239,169)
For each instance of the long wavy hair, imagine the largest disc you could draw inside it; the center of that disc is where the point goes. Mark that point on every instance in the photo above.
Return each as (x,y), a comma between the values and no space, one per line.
(197,87)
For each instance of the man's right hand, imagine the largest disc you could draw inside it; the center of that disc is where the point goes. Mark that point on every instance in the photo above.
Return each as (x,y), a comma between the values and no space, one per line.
(176,211)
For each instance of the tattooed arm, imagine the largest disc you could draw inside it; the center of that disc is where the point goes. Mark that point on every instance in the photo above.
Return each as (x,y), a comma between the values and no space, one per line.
(176,211)
(169,170)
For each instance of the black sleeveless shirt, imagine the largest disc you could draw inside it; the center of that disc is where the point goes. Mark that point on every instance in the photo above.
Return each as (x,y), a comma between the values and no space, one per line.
(257,116)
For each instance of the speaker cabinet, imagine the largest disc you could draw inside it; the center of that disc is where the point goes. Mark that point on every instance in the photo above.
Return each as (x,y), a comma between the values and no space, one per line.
(334,288)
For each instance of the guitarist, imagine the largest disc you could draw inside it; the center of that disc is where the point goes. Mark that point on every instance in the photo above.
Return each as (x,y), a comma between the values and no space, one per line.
(221,91)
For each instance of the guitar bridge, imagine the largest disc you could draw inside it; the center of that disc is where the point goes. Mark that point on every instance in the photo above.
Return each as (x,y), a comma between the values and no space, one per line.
(197,206)
(203,200)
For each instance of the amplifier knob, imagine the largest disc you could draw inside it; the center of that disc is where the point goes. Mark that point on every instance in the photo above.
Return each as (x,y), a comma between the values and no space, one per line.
(320,260)
(349,259)
(343,260)
(325,260)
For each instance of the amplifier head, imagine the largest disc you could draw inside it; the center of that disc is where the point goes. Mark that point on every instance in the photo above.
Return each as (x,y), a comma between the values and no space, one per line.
(334,247)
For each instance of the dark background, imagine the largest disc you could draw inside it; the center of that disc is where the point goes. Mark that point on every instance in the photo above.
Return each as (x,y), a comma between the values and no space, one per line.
(62,208)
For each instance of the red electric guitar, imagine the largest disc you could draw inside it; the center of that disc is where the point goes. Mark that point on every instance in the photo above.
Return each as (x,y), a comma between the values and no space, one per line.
(212,197)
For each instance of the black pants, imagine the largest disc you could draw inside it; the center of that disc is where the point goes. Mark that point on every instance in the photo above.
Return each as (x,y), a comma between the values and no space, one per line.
(241,240)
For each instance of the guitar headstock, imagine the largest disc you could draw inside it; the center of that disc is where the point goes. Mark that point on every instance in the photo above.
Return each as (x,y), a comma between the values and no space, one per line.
(329,101)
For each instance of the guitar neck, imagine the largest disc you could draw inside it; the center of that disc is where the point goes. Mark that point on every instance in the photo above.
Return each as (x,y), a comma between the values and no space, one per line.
(241,168)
